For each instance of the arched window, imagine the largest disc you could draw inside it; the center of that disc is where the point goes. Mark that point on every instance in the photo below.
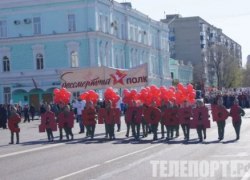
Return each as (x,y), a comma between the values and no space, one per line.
(74,59)
(107,54)
(39,61)
(6,64)
(100,59)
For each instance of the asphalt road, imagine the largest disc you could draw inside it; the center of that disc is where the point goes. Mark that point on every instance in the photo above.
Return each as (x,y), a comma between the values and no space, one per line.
(34,158)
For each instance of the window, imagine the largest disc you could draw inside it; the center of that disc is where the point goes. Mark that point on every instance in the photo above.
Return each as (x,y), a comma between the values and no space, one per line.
(7,95)
(72,23)
(107,54)
(74,59)
(106,29)
(3,29)
(37,25)
(6,64)
(100,22)
(39,61)
(172,75)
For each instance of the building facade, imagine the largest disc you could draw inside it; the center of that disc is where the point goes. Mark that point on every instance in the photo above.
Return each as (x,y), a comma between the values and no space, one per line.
(181,72)
(190,39)
(40,38)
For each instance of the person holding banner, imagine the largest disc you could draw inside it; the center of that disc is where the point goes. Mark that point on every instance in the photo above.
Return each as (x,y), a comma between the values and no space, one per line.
(145,126)
(200,120)
(129,116)
(170,119)
(236,112)
(153,117)
(110,120)
(67,121)
(220,114)
(89,116)
(59,119)
(163,108)
(134,118)
(184,116)
(48,123)
(13,121)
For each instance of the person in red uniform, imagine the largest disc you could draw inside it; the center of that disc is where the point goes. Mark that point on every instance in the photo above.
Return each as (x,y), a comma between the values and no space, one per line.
(200,119)
(89,116)
(109,120)
(66,122)
(236,112)
(220,114)
(153,117)
(13,121)
(49,122)
(185,114)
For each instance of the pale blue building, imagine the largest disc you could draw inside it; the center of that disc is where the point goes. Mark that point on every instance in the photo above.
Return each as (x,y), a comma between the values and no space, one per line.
(181,72)
(40,38)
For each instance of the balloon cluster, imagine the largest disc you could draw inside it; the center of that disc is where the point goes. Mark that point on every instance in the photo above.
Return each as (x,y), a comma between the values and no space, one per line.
(90,96)
(61,96)
(111,95)
(152,94)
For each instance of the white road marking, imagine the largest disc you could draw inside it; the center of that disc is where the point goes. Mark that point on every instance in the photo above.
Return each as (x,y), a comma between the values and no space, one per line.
(109,161)
(129,154)
(41,148)
(29,150)
(242,154)
(77,172)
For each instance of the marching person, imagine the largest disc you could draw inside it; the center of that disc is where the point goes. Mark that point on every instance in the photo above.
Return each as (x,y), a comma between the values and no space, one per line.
(49,122)
(13,121)
(202,116)
(236,112)
(220,115)
(136,121)
(153,116)
(59,120)
(185,114)
(170,120)
(89,116)
(163,108)
(109,120)
(129,115)
(145,127)
(67,122)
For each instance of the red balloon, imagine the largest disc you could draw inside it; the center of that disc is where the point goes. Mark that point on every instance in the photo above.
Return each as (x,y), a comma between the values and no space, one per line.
(56,91)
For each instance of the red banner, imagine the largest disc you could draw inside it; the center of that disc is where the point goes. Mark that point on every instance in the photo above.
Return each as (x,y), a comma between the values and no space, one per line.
(185,115)
(170,117)
(89,116)
(48,121)
(13,121)
(152,115)
(219,113)
(133,114)
(200,117)
(111,116)
(66,119)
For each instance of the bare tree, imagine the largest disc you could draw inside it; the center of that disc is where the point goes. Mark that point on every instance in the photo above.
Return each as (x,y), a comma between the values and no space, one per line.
(225,67)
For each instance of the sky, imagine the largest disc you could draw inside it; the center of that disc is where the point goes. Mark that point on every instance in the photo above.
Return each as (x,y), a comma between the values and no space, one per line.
(232,16)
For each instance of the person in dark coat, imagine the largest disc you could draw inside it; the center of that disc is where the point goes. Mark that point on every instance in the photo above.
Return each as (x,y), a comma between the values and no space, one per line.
(26,113)
(32,111)
(236,112)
